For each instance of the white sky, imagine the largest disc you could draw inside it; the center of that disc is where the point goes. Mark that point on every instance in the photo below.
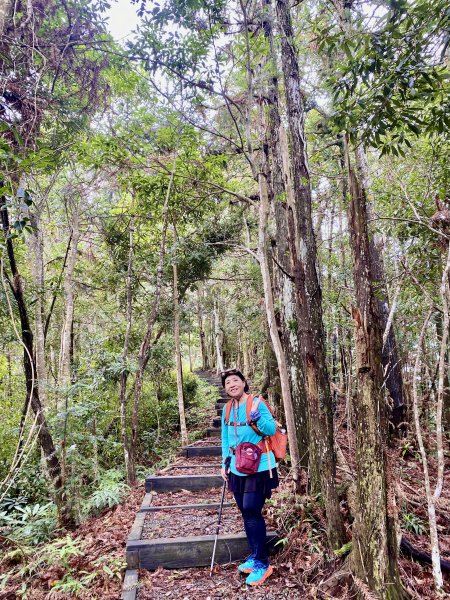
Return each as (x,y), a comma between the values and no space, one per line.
(122,18)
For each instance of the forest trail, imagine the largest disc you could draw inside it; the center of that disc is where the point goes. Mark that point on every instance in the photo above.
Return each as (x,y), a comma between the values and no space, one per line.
(176,523)
(169,547)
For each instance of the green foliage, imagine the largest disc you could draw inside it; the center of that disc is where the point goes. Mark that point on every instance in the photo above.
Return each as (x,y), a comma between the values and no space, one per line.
(110,491)
(408,450)
(62,550)
(392,81)
(412,523)
(29,524)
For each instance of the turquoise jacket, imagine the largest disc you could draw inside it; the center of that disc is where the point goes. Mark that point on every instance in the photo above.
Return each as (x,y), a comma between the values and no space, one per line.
(245,433)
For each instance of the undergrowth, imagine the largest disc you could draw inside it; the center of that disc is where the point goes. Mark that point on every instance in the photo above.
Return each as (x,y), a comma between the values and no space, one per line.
(65,563)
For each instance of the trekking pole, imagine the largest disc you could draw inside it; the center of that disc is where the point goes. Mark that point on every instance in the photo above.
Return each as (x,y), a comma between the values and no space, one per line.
(227,466)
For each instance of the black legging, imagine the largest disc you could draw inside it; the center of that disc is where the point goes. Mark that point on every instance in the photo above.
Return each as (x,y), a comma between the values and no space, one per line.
(250,504)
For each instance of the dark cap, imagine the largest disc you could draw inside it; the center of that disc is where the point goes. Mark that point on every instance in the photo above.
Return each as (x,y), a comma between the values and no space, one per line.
(228,372)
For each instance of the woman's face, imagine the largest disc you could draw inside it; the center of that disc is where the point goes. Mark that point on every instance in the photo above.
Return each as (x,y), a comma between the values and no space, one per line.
(234,386)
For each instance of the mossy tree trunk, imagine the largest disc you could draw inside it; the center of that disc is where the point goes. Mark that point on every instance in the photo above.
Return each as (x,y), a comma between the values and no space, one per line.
(375,548)
(308,290)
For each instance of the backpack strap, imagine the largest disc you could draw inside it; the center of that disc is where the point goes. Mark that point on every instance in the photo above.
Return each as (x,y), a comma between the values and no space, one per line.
(251,406)
(248,409)
(227,412)
(252,403)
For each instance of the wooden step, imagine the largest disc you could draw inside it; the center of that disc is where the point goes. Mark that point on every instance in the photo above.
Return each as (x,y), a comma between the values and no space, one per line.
(191,451)
(172,483)
(214,431)
(220,405)
(195,551)
(203,506)
(217,421)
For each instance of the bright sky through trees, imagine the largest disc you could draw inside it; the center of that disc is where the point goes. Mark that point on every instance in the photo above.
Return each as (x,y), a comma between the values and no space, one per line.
(123,18)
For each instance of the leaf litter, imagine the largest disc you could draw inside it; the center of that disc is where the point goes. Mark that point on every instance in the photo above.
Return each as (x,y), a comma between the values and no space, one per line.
(181,522)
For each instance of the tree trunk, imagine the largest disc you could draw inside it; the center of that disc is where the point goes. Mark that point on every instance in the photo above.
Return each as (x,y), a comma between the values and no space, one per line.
(36,245)
(246,357)
(128,456)
(211,340)
(289,325)
(201,330)
(308,292)
(190,349)
(390,357)
(375,548)
(29,363)
(271,321)
(446,383)
(5,13)
(65,366)
(66,354)
(179,364)
(144,348)
(431,504)
(218,339)
(56,289)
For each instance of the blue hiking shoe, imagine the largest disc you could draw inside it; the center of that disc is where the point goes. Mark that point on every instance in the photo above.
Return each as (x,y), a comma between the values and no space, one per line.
(259,573)
(247,566)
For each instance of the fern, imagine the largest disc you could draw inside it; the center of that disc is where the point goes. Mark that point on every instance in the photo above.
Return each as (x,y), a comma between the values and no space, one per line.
(31,524)
(110,492)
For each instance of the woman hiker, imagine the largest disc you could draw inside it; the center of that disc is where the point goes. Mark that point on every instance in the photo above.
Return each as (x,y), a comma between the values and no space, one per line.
(250,491)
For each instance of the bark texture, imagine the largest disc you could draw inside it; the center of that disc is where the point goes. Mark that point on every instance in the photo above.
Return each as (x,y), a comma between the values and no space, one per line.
(36,245)
(64,370)
(271,321)
(218,339)
(201,328)
(375,548)
(286,291)
(5,13)
(128,456)
(309,294)
(390,355)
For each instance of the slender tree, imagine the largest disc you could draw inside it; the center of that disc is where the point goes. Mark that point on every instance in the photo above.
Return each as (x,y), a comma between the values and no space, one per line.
(128,456)
(143,354)
(289,314)
(308,290)
(29,362)
(176,333)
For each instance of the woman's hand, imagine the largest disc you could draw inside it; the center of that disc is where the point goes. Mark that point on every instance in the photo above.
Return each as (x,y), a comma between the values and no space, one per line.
(255,415)
(224,473)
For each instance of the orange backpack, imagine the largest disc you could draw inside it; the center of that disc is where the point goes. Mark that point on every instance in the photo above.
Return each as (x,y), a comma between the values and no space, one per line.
(276,442)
